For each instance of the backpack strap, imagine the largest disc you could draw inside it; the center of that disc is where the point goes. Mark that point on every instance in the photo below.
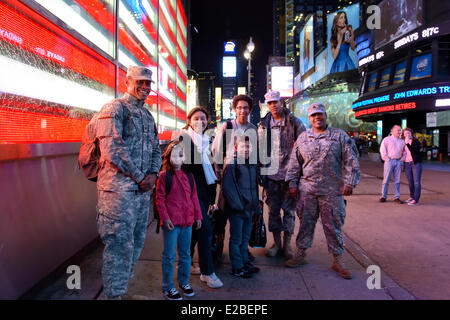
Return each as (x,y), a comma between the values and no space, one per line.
(224,137)
(168,182)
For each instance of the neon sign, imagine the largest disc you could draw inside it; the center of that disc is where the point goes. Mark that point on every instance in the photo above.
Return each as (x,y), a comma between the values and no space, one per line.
(389,108)
(404,95)
(230,47)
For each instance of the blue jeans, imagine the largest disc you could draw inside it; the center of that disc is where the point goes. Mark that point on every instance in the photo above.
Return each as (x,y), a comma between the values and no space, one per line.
(413,174)
(240,230)
(391,166)
(181,238)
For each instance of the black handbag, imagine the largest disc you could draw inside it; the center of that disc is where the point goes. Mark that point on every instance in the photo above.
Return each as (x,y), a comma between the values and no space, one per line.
(258,237)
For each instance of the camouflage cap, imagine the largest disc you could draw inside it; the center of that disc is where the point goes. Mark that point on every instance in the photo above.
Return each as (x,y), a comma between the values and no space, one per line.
(139,73)
(316,107)
(272,96)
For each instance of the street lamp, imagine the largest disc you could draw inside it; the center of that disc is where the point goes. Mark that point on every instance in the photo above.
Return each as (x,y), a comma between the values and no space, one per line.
(248,56)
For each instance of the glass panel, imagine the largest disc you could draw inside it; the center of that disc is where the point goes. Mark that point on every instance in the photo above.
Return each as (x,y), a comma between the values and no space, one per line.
(384,81)
(93,19)
(372,82)
(400,69)
(444,63)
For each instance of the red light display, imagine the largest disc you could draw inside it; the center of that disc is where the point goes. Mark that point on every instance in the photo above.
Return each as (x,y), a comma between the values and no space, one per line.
(389,108)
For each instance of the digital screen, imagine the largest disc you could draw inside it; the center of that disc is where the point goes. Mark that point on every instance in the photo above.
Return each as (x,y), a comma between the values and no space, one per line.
(400,69)
(372,81)
(398,17)
(229,67)
(384,81)
(283,80)
(227,112)
(307,47)
(341,50)
(339,111)
(421,67)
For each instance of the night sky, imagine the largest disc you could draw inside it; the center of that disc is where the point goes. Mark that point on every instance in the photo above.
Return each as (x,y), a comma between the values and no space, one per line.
(221,21)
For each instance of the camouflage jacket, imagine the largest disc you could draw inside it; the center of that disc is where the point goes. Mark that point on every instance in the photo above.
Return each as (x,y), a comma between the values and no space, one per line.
(322,164)
(129,144)
(283,136)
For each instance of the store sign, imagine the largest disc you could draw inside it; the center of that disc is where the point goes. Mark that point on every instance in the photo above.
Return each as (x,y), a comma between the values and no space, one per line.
(229,47)
(420,92)
(414,37)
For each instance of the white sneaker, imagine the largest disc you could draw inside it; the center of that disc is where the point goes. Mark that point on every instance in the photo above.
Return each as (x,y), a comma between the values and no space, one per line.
(409,200)
(212,280)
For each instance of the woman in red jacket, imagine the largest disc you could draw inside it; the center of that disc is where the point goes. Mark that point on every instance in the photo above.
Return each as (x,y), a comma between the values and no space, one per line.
(178,209)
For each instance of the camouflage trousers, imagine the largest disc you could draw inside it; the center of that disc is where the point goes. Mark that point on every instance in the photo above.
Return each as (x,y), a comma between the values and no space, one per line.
(277,199)
(122,225)
(332,213)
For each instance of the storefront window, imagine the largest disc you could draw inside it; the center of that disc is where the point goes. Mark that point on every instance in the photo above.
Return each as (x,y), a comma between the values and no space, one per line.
(400,70)
(421,67)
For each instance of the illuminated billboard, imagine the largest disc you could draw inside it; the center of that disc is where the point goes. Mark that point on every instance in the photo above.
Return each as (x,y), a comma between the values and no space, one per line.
(307,47)
(229,67)
(341,53)
(398,17)
(283,80)
(421,67)
(229,47)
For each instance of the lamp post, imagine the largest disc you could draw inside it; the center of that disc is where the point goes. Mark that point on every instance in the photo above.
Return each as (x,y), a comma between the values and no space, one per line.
(248,56)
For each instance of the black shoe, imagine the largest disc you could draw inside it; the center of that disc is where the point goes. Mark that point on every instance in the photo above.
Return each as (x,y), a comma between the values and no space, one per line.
(187,290)
(250,268)
(172,294)
(382,199)
(241,273)
(398,201)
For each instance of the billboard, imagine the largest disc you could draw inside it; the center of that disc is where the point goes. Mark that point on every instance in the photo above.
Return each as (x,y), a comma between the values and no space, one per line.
(283,80)
(421,67)
(229,47)
(398,17)
(341,53)
(307,47)
(229,67)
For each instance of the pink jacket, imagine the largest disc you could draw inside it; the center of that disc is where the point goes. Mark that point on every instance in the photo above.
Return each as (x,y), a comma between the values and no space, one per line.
(181,205)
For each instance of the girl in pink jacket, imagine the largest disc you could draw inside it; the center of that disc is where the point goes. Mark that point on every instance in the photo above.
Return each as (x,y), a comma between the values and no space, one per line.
(178,207)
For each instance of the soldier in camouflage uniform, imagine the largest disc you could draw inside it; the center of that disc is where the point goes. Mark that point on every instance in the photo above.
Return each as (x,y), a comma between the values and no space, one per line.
(323,166)
(129,164)
(284,130)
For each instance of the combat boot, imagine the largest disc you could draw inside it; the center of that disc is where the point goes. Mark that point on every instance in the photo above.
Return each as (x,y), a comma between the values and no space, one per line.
(287,245)
(297,260)
(339,267)
(272,252)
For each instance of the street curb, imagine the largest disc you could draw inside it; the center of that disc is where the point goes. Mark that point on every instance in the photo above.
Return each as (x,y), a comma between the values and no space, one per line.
(390,286)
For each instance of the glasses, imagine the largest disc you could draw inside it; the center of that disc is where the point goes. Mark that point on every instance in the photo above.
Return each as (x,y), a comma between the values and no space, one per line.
(246,108)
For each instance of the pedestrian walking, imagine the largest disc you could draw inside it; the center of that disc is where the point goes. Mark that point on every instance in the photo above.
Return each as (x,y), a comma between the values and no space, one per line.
(240,192)
(323,167)
(178,207)
(128,167)
(197,146)
(279,130)
(393,153)
(413,166)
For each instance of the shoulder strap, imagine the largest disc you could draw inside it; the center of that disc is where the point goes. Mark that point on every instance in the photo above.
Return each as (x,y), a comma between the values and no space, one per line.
(191,180)
(168,181)
(224,137)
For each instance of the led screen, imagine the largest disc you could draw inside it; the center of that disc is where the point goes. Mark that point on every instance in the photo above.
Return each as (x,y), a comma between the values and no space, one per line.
(398,17)
(384,81)
(229,67)
(372,81)
(341,50)
(400,69)
(283,80)
(421,67)
(307,47)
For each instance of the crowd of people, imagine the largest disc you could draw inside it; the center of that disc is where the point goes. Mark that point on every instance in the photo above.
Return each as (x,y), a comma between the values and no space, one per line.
(302,172)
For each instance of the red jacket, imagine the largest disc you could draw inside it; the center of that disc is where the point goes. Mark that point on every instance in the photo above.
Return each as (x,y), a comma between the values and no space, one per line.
(181,205)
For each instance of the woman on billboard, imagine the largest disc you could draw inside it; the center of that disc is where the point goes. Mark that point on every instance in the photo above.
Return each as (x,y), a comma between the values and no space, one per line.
(342,39)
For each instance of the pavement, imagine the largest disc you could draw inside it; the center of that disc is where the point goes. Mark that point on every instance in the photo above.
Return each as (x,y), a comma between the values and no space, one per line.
(409,244)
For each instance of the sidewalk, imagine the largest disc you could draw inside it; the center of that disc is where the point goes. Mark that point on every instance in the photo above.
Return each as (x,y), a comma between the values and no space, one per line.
(410,244)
